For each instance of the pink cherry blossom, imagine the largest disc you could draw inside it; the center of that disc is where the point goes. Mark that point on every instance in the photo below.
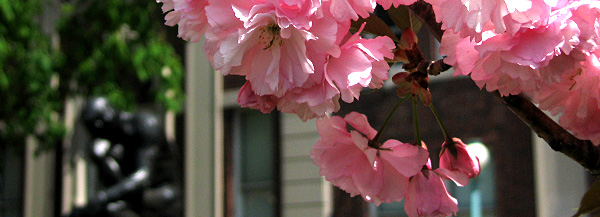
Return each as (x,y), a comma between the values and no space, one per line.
(300,70)
(460,53)
(247,99)
(511,64)
(498,62)
(457,159)
(555,63)
(318,96)
(533,48)
(427,196)
(360,64)
(347,161)
(314,101)
(295,12)
(581,30)
(386,4)
(470,18)
(321,93)
(189,15)
(266,47)
(577,98)
(531,58)
(344,10)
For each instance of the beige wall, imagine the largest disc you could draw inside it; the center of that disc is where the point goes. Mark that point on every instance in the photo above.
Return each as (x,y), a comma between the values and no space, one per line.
(305,193)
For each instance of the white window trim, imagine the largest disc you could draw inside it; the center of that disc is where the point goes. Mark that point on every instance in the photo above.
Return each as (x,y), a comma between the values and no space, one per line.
(560,182)
(203,152)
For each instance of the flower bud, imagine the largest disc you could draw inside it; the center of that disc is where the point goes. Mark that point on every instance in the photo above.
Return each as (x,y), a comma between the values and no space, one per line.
(401,78)
(456,158)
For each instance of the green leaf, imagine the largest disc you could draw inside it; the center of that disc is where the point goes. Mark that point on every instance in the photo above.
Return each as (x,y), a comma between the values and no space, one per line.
(590,201)
(143,75)
(404,18)
(400,16)
(375,26)
(415,22)
(5,7)
(4,82)
(67,9)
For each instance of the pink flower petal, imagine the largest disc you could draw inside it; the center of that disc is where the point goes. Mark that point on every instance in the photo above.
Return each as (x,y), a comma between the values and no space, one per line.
(427,196)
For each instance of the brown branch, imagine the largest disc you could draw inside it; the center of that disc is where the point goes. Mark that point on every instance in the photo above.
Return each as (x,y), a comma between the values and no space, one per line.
(559,139)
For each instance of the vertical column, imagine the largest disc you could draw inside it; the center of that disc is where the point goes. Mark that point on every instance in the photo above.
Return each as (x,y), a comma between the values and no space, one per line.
(203,143)
(74,176)
(39,181)
(559,181)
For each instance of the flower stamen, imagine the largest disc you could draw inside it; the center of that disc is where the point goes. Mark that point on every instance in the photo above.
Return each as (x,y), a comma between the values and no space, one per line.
(269,35)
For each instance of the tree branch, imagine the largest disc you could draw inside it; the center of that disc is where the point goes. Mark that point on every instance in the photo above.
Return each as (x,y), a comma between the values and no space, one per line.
(559,139)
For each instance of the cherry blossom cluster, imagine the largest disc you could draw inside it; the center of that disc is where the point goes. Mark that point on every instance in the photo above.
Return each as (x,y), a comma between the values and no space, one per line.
(544,49)
(297,55)
(392,171)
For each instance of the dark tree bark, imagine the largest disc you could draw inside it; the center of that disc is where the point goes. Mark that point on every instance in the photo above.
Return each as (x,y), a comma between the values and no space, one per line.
(559,139)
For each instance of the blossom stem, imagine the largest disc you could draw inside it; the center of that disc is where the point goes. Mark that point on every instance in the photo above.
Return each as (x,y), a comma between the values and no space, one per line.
(375,141)
(439,120)
(416,122)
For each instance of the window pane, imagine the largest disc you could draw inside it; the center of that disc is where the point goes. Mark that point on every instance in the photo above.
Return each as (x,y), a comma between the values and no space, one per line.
(395,209)
(252,175)
(259,203)
(257,147)
(478,197)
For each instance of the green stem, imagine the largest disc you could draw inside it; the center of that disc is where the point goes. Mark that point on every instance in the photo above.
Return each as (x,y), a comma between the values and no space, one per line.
(375,141)
(439,120)
(416,122)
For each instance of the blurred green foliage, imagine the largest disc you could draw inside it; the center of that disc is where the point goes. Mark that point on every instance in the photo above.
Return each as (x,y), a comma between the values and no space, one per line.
(119,49)
(113,48)
(29,95)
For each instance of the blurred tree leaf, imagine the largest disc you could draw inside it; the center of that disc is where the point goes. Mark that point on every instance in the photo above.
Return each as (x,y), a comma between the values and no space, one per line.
(30,102)
(374,25)
(99,50)
(404,18)
(590,201)
(113,48)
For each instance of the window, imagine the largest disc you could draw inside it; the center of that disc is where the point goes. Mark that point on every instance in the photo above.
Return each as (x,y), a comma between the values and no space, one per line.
(251,164)
(11,180)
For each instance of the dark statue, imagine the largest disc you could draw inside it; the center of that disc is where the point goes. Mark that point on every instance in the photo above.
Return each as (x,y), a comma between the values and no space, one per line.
(135,164)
